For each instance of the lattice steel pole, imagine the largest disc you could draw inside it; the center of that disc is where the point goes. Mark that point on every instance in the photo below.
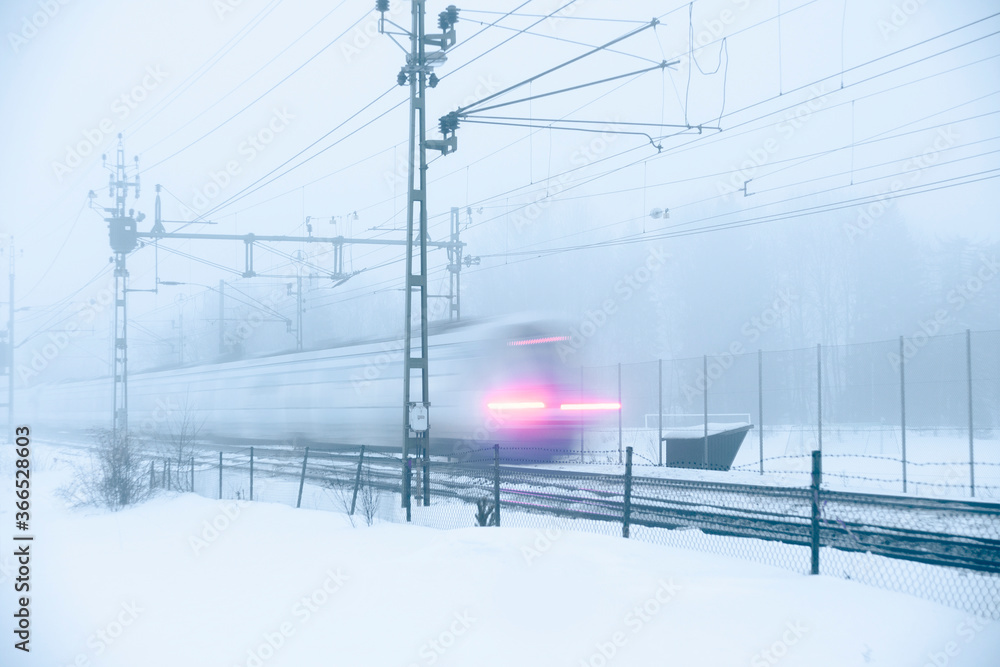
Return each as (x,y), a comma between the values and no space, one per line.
(122,234)
(416,215)
(418,73)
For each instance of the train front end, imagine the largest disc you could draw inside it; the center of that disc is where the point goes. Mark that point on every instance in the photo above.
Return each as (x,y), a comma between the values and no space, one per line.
(529,401)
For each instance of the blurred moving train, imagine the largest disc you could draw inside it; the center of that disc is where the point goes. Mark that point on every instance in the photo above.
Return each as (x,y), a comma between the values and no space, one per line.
(491,383)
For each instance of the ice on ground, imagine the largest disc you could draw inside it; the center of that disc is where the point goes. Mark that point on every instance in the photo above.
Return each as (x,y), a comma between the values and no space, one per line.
(183,580)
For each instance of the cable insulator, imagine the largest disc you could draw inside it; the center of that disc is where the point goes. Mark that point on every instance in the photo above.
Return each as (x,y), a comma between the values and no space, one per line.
(401,78)
(382,6)
(448,123)
(433,80)
(452,13)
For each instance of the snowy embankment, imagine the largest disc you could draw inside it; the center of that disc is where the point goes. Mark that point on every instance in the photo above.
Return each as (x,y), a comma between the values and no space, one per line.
(183,580)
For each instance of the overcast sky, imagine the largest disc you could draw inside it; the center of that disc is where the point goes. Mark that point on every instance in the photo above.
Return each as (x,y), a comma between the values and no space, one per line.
(195,85)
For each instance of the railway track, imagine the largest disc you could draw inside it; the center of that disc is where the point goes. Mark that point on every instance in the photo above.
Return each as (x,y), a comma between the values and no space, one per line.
(952,533)
(895,527)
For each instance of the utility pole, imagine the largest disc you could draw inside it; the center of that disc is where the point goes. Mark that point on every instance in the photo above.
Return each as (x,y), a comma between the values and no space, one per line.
(455,262)
(298,311)
(418,72)
(122,230)
(455,271)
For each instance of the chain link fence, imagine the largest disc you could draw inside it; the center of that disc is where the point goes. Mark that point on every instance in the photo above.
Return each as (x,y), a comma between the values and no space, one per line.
(945,550)
(918,415)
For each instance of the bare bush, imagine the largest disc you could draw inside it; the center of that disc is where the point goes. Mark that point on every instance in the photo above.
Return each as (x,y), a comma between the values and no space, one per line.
(178,442)
(342,489)
(118,475)
(484,512)
(369,496)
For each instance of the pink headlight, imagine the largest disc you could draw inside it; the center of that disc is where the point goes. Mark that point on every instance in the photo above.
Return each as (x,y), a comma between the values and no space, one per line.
(516,405)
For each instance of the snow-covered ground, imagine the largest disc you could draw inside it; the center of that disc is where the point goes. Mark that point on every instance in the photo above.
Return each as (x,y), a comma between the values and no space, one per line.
(183,580)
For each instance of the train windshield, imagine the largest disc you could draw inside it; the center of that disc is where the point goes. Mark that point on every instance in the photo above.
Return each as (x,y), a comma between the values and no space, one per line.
(523,368)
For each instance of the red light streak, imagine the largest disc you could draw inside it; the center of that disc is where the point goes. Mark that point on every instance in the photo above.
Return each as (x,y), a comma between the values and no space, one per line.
(537,341)
(590,406)
(519,405)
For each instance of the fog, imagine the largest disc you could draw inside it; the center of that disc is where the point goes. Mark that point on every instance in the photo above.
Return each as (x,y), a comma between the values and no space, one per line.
(846,198)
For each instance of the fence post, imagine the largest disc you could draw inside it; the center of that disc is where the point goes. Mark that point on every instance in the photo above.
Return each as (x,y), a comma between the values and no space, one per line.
(152,475)
(426,465)
(407,483)
(220,475)
(704,375)
(420,479)
(817,478)
(251,473)
(819,396)
(496,485)
(627,513)
(619,413)
(968,370)
(902,407)
(163,475)
(659,420)
(192,474)
(170,485)
(760,406)
(302,479)
(357,480)
(581,421)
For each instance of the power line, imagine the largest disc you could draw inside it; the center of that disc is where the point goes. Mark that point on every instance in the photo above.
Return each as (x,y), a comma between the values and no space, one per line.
(249,78)
(202,69)
(261,96)
(700,142)
(253,187)
(976,177)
